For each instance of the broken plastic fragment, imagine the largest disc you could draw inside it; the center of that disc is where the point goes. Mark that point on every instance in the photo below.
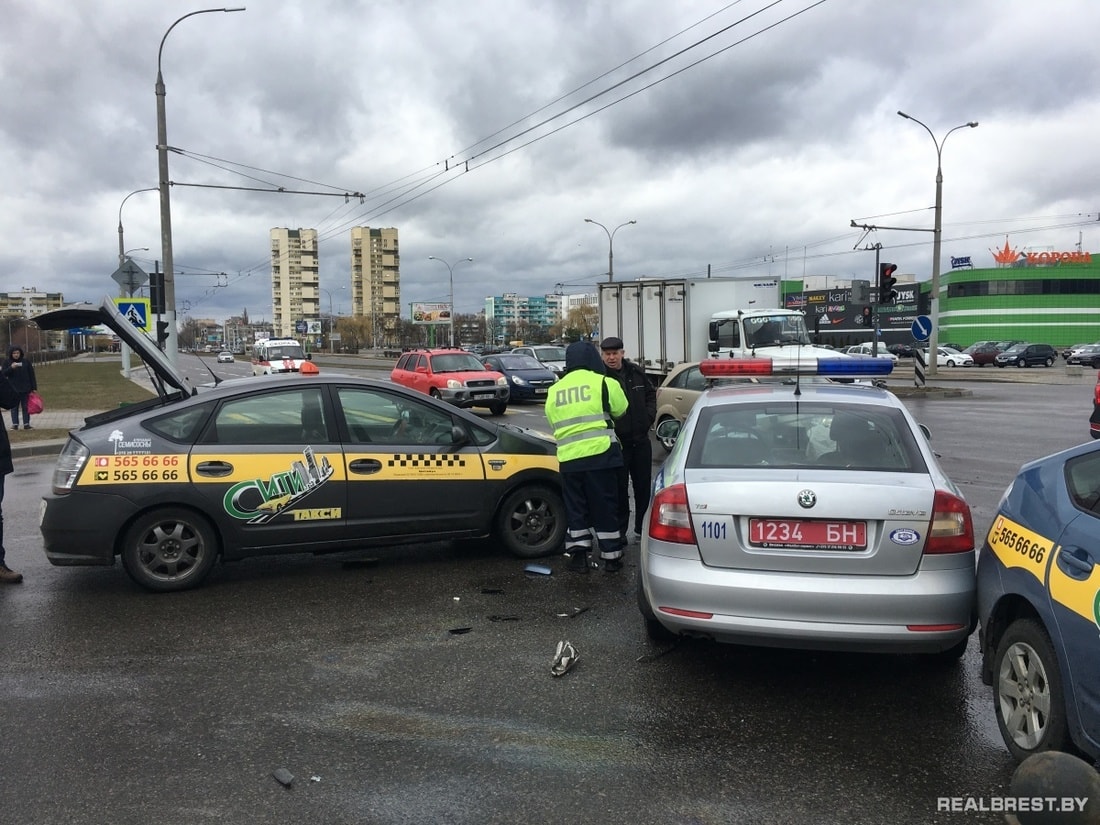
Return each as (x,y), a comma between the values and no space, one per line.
(283,777)
(540,569)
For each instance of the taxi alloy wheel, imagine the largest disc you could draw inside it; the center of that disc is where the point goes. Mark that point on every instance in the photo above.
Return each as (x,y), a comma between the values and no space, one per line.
(531,522)
(169,549)
(1027,691)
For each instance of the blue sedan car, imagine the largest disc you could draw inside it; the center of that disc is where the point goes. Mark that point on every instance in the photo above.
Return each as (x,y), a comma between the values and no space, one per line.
(1039,606)
(528,379)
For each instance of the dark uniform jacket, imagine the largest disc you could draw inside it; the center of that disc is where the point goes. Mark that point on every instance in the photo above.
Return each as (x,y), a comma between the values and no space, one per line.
(8,399)
(642,398)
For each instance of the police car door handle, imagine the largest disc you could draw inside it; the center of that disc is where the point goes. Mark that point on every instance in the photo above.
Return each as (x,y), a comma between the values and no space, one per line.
(365,466)
(216,469)
(1075,563)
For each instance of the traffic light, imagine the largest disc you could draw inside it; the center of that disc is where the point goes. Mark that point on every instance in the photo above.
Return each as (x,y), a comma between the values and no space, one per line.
(886,280)
(156,293)
(162,333)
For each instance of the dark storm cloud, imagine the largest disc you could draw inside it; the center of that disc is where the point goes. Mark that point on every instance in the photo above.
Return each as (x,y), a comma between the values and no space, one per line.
(770,146)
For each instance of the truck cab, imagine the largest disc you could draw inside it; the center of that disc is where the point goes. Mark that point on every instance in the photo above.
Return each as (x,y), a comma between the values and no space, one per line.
(779,334)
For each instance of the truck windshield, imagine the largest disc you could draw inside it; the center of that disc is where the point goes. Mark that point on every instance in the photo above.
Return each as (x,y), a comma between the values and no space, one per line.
(775,330)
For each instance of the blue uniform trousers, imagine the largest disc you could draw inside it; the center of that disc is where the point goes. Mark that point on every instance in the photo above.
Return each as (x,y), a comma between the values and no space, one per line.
(592,503)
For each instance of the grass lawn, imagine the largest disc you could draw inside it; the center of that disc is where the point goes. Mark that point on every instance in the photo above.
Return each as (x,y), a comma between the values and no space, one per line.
(79,385)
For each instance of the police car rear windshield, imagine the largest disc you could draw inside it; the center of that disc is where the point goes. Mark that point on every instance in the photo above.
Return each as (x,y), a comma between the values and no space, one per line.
(799,435)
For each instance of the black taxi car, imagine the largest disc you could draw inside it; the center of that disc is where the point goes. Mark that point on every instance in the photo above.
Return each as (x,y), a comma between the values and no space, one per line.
(284,464)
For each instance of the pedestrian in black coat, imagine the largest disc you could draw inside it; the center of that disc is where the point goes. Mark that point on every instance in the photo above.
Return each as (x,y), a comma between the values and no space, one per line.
(20,374)
(633,432)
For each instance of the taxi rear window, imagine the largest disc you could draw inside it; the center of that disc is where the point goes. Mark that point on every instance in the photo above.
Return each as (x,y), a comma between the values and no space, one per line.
(1083,481)
(182,427)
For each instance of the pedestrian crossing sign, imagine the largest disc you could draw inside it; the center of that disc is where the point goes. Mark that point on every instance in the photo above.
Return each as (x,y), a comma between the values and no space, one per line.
(135,310)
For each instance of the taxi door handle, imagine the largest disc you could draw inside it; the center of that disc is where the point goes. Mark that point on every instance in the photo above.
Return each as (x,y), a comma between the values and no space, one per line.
(216,469)
(1075,563)
(365,466)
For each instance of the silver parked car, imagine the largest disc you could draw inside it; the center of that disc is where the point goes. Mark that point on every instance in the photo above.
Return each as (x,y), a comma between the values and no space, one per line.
(809,515)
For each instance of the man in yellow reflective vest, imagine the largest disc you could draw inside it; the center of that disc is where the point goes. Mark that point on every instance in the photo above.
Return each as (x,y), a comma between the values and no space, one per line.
(582,408)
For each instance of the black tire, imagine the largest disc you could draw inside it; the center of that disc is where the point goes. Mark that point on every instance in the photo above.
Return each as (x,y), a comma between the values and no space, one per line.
(169,549)
(951,656)
(434,393)
(1049,362)
(952,364)
(531,522)
(1021,363)
(656,631)
(498,407)
(1027,691)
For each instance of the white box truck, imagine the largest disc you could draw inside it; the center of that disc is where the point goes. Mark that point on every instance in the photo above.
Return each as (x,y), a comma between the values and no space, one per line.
(664,322)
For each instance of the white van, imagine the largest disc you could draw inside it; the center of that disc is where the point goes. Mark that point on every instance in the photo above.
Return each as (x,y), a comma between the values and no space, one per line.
(277,355)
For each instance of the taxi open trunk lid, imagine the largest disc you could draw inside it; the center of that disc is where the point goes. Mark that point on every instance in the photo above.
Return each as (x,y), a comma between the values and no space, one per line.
(168,379)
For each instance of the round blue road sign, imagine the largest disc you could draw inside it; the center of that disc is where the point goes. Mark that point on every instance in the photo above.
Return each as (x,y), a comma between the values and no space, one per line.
(922,327)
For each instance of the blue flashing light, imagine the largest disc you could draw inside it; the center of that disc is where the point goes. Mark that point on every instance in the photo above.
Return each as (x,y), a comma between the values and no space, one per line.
(852,367)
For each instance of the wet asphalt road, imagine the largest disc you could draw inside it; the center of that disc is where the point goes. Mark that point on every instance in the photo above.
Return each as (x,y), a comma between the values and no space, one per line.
(412,686)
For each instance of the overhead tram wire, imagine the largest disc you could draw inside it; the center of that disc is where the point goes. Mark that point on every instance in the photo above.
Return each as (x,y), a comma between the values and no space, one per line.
(397,202)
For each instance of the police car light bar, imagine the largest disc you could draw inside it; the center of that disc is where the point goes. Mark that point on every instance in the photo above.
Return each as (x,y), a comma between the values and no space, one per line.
(829,367)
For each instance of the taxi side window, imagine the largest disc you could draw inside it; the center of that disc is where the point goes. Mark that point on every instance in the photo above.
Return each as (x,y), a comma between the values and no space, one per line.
(377,417)
(1083,480)
(284,417)
(182,427)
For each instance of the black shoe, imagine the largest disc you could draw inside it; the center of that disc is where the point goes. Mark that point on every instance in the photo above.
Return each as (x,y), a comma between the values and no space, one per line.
(578,562)
(16,427)
(613,565)
(26,427)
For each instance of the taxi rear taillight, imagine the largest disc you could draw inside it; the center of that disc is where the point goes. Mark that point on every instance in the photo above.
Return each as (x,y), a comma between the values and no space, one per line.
(951,529)
(669,517)
(70,462)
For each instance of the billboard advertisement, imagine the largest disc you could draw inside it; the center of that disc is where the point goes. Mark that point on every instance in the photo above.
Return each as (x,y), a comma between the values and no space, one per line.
(431,313)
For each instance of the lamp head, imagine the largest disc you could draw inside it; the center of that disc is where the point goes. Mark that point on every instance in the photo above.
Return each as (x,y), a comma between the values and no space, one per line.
(973,124)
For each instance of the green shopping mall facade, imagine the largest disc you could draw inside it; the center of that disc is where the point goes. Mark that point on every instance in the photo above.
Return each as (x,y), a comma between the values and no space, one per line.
(1048,297)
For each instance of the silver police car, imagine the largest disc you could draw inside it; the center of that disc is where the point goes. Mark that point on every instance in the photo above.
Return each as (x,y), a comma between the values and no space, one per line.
(807,514)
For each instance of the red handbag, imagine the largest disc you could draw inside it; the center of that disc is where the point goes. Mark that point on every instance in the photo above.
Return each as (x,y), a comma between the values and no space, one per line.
(34,403)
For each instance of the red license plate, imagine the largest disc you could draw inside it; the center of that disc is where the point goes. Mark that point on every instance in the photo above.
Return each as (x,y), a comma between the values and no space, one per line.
(808,535)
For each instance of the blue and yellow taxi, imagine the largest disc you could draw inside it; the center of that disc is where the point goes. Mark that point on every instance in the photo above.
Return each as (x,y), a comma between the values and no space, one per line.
(1039,606)
(285,464)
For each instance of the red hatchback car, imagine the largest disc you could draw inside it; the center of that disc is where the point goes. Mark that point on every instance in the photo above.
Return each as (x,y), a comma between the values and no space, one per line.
(452,375)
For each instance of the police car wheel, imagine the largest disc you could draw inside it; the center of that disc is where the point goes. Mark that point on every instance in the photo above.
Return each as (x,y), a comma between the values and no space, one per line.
(531,522)
(1027,691)
(169,549)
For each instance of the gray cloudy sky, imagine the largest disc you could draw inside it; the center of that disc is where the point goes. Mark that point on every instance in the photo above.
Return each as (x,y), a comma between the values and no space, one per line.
(752,161)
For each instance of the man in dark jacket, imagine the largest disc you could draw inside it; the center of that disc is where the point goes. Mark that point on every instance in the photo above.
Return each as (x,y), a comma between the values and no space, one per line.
(8,399)
(633,432)
(20,373)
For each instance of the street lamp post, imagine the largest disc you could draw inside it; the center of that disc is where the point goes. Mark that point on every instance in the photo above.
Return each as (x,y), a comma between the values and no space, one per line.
(171,345)
(329,294)
(124,348)
(451,278)
(937,229)
(610,245)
